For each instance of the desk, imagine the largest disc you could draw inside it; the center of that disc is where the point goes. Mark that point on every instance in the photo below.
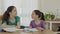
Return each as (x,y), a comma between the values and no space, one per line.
(22,32)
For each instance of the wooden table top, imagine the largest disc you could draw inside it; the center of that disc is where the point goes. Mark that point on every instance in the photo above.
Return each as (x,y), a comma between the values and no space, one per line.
(22,32)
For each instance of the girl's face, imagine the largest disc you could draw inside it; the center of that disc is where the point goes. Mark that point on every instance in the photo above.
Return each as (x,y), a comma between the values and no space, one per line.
(34,16)
(14,12)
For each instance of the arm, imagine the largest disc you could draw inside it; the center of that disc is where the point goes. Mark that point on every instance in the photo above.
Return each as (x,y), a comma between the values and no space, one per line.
(42,26)
(4,25)
(18,22)
(31,25)
(18,25)
(7,26)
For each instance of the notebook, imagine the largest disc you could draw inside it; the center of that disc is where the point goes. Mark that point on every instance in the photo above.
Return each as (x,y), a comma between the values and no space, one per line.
(31,30)
(10,29)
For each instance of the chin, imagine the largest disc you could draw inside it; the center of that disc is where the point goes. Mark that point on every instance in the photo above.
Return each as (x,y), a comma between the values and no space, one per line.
(32,18)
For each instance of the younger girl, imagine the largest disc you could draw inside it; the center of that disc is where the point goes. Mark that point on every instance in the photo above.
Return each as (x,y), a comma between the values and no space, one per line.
(38,20)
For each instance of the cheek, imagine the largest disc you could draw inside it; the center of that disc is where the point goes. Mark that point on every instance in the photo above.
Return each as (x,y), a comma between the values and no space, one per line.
(33,16)
(14,13)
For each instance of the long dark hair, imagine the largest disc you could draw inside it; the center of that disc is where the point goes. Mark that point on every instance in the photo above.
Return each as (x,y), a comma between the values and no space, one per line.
(40,14)
(6,15)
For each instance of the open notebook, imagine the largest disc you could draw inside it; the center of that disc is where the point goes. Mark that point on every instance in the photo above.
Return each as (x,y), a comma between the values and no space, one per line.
(31,30)
(11,29)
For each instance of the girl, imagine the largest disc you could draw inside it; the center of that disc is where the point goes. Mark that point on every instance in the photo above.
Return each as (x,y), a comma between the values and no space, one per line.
(39,21)
(10,18)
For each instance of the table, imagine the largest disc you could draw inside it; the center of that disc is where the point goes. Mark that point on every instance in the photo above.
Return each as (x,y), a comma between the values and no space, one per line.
(23,32)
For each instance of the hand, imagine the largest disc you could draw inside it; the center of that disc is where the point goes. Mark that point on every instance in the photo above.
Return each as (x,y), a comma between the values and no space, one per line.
(40,29)
(17,27)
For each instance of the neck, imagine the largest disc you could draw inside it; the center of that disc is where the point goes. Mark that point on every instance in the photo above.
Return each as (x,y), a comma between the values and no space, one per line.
(37,20)
(11,17)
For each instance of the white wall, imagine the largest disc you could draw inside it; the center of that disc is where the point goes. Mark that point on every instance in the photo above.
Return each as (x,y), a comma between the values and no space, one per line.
(0,7)
(27,7)
(52,6)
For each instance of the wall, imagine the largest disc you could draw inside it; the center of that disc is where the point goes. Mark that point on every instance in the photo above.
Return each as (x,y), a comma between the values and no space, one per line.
(52,6)
(0,7)
(27,7)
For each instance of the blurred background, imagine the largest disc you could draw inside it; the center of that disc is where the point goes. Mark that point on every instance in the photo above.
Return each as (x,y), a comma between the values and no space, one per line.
(25,8)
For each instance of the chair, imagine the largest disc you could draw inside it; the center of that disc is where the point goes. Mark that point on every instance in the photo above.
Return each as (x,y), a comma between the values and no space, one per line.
(0,17)
(0,20)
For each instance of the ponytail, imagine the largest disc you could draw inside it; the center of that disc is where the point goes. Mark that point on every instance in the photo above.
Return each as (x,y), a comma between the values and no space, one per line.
(40,14)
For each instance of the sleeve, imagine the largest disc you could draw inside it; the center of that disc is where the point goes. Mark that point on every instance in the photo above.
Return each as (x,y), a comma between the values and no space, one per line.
(43,25)
(31,24)
(17,18)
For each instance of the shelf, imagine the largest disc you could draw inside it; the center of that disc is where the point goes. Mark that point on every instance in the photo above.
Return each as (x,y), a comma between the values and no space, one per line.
(53,21)
(53,25)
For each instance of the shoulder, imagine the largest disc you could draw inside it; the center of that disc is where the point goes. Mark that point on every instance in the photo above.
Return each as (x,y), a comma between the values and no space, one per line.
(17,17)
(32,21)
(42,21)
